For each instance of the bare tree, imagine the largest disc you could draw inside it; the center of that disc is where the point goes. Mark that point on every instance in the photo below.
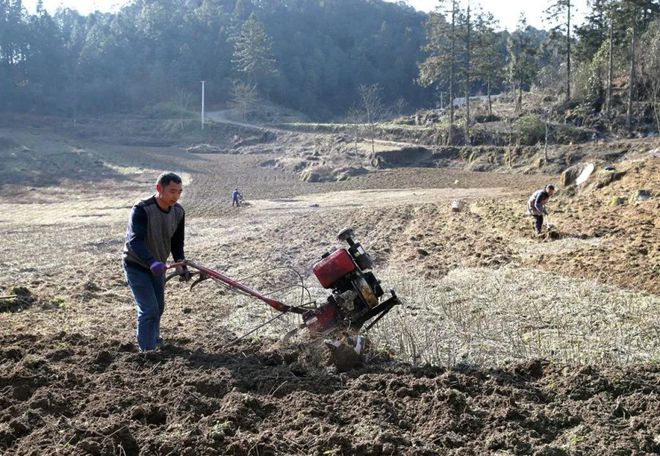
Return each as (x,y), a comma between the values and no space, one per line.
(610,66)
(355,118)
(372,106)
(454,12)
(468,74)
(655,101)
(244,98)
(183,101)
(631,73)
(400,106)
(650,67)
(555,12)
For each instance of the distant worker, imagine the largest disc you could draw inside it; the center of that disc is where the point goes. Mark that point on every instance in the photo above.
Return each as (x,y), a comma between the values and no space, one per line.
(236,198)
(155,229)
(536,206)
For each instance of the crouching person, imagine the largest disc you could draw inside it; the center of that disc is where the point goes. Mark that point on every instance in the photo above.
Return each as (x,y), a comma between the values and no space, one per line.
(536,206)
(155,229)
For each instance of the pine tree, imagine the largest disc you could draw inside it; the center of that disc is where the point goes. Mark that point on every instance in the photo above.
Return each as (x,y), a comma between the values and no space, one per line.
(593,32)
(253,54)
(14,49)
(488,60)
(442,56)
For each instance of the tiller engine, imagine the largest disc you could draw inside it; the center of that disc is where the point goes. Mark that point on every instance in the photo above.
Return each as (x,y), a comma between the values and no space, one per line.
(356,292)
(356,298)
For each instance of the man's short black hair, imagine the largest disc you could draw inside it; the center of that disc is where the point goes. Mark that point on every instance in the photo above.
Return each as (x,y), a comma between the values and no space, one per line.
(550,187)
(165,178)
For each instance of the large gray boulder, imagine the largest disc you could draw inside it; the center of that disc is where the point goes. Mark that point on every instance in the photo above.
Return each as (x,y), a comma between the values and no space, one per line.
(570,175)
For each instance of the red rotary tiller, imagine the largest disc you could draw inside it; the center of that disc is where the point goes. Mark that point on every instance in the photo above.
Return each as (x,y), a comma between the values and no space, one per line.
(356,295)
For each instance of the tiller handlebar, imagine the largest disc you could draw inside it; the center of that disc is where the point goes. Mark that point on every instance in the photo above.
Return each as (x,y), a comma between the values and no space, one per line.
(206,273)
(356,295)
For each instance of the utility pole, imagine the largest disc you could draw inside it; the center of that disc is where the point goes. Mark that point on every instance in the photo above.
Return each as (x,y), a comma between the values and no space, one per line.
(203,104)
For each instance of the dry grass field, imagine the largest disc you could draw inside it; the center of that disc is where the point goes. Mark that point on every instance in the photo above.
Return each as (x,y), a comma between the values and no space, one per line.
(505,344)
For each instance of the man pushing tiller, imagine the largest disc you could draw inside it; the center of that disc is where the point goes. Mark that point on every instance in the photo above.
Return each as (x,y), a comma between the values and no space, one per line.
(155,229)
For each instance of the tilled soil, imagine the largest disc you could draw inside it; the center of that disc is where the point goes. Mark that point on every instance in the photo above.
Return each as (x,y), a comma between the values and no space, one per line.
(87,395)
(614,237)
(71,381)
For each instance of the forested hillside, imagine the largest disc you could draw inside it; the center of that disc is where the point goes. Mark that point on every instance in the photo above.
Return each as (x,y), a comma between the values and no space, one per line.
(322,57)
(309,55)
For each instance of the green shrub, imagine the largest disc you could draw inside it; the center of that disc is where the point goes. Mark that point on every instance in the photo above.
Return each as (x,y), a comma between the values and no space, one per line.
(530,130)
(567,133)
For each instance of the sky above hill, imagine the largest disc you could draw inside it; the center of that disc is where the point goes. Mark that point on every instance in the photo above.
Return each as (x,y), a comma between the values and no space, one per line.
(508,12)
(83,6)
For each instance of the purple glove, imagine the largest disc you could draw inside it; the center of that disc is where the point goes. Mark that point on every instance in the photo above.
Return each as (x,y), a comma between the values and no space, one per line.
(158,268)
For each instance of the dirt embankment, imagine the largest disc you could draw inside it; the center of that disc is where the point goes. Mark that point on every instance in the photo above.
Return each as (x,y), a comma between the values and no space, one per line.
(94,396)
(606,230)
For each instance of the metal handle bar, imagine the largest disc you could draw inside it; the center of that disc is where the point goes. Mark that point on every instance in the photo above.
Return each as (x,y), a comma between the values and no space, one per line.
(275,304)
